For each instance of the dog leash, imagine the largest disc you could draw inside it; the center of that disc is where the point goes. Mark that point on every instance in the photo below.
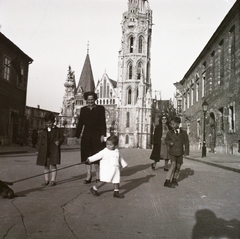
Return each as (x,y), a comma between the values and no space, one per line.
(37,175)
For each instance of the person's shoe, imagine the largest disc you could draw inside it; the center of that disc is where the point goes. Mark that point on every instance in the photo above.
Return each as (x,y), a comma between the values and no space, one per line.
(94,192)
(116,194)
(168,184)
(45,183)
(152,166)
(165,169)
(97,180)
(174,182)
(52,183)
(87,181)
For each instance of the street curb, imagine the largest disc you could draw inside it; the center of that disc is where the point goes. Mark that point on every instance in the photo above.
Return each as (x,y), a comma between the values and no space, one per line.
(236,170)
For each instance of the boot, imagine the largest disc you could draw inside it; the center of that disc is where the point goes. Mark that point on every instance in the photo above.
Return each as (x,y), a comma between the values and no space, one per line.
(116,194)
(168,184)
(174,182)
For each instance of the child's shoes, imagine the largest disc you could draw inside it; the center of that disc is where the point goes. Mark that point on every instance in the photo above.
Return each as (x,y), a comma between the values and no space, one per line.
(52,183)
(174,182)
(94,192)
(45,183)
(116,194)
(168,184)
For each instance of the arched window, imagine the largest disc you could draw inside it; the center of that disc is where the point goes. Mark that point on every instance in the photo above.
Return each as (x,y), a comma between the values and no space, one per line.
(130,71)
(129,97)
(128,119)
(139,71)
(140,44)
(131,41)
(127,139)
(137,92)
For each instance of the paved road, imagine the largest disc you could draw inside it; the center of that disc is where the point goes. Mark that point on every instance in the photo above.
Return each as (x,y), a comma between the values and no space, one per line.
(205,205)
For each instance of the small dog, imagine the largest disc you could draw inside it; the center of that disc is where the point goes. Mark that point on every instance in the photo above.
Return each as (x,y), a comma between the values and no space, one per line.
(5,191)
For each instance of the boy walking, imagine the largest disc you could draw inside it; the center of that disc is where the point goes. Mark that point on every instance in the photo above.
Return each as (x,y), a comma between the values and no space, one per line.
(178,142)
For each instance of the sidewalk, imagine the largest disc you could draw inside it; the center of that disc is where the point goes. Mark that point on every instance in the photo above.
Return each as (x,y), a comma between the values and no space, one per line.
(225,161)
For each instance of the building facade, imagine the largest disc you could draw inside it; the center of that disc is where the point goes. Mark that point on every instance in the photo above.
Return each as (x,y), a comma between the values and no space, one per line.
(215,77)
(134,82)
(13,90)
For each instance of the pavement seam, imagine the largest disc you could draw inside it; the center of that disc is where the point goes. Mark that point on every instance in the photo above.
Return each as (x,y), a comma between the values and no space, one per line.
(214,164)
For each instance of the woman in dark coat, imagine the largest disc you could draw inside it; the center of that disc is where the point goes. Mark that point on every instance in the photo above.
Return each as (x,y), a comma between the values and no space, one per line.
(93,124)
(49,154)
(160,149)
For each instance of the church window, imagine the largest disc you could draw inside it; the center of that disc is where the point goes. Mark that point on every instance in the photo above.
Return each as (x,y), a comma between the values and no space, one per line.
(129,97)
(130,71)
(139,70)
(128,119)
(127,139)
(221,118)
(231,118)
(140,44)
(113,101)
(131,41)
(221,62)
(101,91)
(137,92)
(107,90)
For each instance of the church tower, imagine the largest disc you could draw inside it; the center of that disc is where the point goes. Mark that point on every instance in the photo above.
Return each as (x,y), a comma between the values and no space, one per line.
(134,82)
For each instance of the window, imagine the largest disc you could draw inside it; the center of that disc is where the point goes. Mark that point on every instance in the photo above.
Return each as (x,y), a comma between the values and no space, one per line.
(139,70)
(221,62)
(197,91)
(203,84)
(232,49)
(179,106)
(137,92)
(130,69)
(128,119)
(231,118)
(221,121)
(129,97)
(192,96)
(6,72)
(131,41)
(140,44)
(127,139)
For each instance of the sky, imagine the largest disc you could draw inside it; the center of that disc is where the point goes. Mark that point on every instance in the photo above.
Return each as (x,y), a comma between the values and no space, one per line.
(55,34)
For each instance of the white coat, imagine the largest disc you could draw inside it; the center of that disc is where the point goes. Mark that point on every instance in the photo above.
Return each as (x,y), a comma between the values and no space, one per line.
(110,164)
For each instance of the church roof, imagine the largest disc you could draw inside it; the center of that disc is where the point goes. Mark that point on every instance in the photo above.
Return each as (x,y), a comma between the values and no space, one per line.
(86,81)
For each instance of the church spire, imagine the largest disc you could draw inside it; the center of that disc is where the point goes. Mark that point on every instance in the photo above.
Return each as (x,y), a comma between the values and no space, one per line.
(86,81)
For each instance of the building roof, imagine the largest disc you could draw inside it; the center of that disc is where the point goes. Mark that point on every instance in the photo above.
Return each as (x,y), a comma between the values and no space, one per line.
(6,41)
(86,81)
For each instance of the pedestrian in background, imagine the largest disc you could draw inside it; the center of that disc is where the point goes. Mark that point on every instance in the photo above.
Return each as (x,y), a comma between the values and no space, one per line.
(178,142)
(110,164)
(93,124)
(160,149)
(49,149)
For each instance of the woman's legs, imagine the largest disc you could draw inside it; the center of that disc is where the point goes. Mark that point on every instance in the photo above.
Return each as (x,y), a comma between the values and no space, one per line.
(153,165)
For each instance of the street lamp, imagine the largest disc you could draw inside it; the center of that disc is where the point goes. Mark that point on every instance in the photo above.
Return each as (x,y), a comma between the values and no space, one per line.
(204,108)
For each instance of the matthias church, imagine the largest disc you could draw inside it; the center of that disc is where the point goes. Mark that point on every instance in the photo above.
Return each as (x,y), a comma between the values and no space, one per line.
(128,99)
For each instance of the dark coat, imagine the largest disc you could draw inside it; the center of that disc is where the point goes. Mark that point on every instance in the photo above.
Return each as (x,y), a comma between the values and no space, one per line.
(180,142)
(55,153)
(93,124)
(155,155)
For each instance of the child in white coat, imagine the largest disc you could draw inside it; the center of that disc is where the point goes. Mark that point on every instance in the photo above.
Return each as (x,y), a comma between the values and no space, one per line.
(110,164)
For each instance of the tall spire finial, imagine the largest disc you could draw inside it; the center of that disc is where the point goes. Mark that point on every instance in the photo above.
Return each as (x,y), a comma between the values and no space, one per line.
(87,47)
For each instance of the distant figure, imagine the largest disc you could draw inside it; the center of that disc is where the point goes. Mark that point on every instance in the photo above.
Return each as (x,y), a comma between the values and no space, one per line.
(160,149)
(110,164)
(178,142)
(93,124)
(34,137)
(49,152)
